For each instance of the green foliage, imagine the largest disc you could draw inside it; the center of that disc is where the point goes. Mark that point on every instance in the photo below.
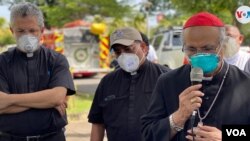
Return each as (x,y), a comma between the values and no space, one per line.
(245,30)
(224,9)
(63,11)
(161,5)
(59,12)
(5,34)
(79,104)
(6,37)
(117,23)
(2,22)
(140,22)
(137,21)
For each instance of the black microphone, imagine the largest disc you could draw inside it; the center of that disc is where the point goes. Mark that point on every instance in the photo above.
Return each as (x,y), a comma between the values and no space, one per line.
(196,76)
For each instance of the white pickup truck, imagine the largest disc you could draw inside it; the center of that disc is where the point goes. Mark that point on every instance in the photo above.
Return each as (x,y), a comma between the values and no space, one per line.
(168,47)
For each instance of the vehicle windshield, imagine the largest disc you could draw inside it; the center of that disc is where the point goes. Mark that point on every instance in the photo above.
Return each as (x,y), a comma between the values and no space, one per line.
(79,35)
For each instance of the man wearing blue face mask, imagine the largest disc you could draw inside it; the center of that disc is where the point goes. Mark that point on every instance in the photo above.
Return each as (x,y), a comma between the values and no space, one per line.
(123,95)
(222,95)
(34,82)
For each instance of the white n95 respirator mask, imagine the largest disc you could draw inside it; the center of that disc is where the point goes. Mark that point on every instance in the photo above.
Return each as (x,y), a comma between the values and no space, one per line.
(129,62)
(28,44)
(230,47)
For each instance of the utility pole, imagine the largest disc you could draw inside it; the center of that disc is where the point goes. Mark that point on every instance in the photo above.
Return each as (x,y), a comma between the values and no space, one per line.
(147,5)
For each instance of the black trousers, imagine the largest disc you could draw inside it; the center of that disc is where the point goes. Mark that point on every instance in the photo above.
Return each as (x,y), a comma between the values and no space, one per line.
(55,137)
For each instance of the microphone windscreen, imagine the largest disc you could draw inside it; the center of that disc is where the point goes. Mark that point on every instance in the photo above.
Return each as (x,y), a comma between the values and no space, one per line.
(196,75)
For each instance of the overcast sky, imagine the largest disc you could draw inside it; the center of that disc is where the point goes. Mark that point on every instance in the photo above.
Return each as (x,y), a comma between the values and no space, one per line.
(4,12)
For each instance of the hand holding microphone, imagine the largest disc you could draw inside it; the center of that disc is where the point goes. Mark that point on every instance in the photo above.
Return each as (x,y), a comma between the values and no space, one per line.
(196,76)
(190,99)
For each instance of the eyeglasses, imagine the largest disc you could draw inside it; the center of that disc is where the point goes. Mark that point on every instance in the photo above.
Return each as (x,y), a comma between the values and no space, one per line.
(207,49)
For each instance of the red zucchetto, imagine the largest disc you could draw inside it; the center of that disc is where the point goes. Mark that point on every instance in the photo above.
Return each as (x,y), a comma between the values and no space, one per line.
(203,19)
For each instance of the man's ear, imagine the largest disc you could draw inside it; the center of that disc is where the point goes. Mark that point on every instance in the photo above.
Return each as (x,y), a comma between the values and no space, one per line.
(11,30)
(144,47)
(241,38)
(42,30)
(42,37)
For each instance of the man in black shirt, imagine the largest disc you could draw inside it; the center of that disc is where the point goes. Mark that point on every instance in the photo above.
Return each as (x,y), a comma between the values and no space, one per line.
(124,94)
(222,96)
(34,82)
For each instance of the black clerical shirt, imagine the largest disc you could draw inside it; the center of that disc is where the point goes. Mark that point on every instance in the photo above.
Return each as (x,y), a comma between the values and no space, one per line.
(231,106)
(120,100)
(21,74)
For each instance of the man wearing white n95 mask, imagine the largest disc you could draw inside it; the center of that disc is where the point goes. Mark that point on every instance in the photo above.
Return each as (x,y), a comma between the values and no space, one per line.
(124,94)
(28,44)
(232,53)
(34,82)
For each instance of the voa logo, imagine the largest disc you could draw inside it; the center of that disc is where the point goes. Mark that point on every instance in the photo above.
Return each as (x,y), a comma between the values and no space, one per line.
(236,132)
(242,14)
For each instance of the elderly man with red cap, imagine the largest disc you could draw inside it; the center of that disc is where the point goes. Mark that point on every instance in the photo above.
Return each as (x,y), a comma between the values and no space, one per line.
(181,111)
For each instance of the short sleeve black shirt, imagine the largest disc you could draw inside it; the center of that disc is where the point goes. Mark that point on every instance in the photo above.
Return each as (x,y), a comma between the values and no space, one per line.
(21,74)
(122,98)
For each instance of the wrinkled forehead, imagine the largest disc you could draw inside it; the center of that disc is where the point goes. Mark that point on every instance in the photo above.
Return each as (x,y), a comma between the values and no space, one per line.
(201,35)
(25,22)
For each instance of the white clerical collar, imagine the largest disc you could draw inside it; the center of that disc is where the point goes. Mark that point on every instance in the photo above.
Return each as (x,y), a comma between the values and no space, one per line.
(207,78)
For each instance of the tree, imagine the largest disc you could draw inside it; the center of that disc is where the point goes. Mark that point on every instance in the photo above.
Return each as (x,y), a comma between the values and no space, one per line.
(2,22)
(59,12)
(224,9)
(5,34)
(63,11)
(161,5)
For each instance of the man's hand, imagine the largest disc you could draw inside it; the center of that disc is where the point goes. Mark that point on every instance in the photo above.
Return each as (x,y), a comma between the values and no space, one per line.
(205,133)
(62,108)
(4,102)
(189,100)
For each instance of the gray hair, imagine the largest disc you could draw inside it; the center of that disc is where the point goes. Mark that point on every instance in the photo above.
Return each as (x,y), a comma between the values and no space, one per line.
(25,9)
(222,37)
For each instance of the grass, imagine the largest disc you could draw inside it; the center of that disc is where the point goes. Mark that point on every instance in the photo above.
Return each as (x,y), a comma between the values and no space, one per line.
(79,103)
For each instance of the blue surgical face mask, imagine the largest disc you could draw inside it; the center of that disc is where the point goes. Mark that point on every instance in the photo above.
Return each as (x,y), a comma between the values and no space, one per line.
(208,62)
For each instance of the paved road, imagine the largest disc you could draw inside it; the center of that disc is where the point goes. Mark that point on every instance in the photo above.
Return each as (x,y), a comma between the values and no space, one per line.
(88,85)
(79,130)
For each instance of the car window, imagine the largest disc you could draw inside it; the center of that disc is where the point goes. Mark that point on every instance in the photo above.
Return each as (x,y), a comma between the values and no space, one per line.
(157,42)
(176,40)
(167,40)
